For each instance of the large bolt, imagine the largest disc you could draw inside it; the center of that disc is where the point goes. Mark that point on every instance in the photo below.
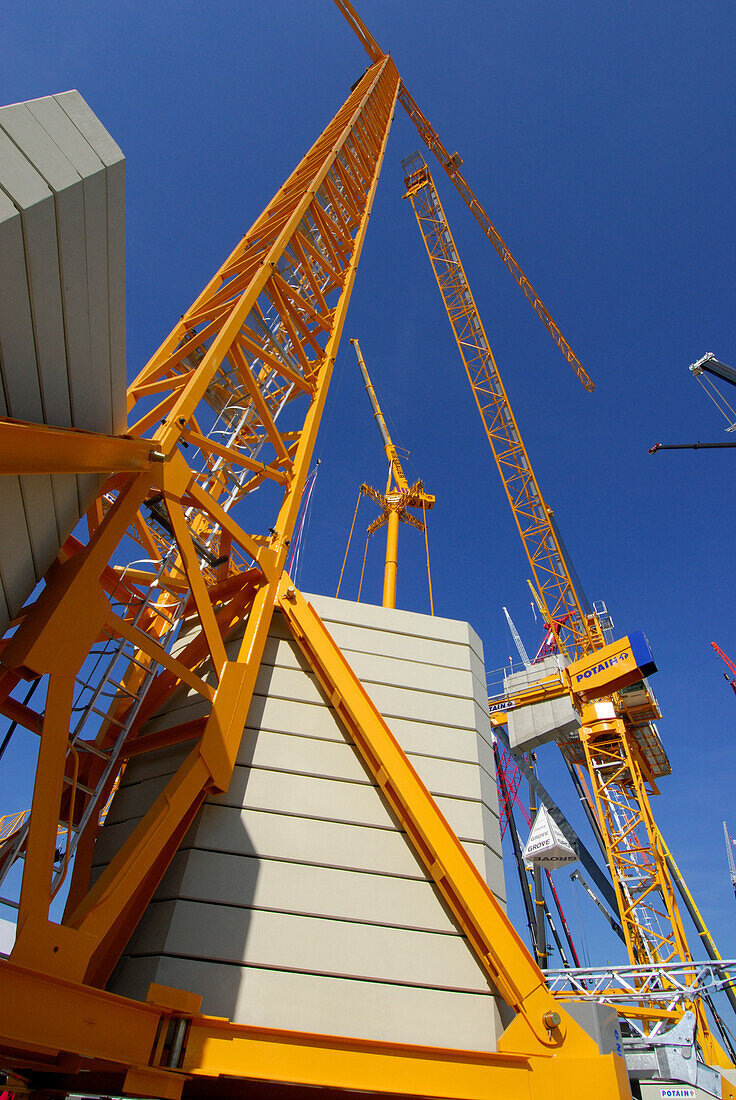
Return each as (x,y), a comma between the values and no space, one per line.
(551,1020)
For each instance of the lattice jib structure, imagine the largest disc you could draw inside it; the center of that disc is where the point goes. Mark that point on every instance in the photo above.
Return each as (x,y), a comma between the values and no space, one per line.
(615,751)
(451,162)
(115,643)
(240,384)
(530,512)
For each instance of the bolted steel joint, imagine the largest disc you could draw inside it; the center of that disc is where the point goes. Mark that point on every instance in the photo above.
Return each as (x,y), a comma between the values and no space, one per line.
(551,1020)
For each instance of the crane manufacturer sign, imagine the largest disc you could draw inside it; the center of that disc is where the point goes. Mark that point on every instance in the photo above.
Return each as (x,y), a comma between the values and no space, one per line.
(615,666)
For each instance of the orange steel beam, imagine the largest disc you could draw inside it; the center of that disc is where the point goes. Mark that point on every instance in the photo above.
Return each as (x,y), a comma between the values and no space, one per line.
(39,449)
(325,1062)
(451,163)
(123,1044)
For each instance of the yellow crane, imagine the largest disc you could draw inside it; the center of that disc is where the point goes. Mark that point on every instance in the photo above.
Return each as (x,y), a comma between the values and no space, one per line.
(112,646)
(399,496)
(618,748)
(452,162)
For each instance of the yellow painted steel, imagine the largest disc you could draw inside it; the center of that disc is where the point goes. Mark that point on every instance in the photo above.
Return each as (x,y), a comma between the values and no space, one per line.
(390,449)
(208,361)
(451,162)
(116,1034)
(531,513)
(620,758)
(399,496)
(320,1061)
(39,449)
(263,333)
(392,556)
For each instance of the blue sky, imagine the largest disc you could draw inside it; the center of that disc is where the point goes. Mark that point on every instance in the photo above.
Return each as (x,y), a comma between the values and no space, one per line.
(599,137)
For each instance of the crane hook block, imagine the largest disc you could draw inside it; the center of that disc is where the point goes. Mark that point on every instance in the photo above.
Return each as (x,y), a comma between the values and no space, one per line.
(617,665)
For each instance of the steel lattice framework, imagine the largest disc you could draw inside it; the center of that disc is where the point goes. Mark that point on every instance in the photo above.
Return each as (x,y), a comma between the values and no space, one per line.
(530,512)
(230,403)
(647,904)
(637,991)
(610,745)
(451,162)
(261,337)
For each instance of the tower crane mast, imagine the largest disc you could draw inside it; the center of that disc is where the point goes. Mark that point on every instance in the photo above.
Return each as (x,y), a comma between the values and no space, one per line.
(618,747)
(398,497)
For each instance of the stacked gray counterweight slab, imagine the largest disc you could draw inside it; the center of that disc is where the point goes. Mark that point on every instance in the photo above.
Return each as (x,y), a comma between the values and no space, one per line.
(296,900)
(62,314)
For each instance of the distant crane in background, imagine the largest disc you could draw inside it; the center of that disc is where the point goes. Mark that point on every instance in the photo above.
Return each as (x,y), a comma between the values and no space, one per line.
(729,663)
(729,855)
(517,639)
(705,366)
(621,754)
(394,502)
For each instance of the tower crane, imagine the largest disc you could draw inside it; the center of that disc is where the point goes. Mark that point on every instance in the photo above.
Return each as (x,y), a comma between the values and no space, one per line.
(230,402)
(399,494)
(729,664)
(452,162)
(729,856)
(618,748)
(521,649)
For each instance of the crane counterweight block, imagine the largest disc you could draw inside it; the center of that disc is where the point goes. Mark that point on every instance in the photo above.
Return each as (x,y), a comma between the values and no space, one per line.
(618,665)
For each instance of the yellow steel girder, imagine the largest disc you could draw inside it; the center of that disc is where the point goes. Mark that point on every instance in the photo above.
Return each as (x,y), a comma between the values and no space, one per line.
(531,514)
(543,1052)
(40,449)
(200,365)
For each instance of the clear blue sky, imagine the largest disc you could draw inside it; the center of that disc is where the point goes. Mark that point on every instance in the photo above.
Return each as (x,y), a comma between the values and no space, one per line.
(600,138)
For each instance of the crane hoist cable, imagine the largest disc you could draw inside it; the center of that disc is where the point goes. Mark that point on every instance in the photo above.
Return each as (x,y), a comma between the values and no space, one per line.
(708,365)
(362,570)
(297,543)
(350,536)
(712,391)
(426,547)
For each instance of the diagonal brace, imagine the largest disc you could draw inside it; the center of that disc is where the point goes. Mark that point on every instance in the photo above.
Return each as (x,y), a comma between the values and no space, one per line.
(496,944)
